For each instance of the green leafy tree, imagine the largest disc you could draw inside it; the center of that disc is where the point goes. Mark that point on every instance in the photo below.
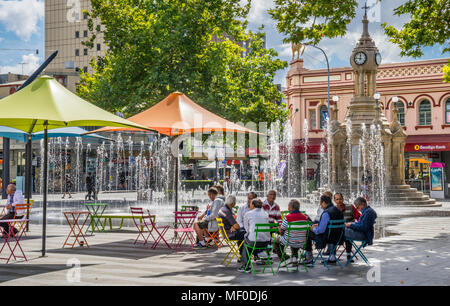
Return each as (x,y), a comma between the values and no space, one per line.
(428,26)
(191,46)
(310,21)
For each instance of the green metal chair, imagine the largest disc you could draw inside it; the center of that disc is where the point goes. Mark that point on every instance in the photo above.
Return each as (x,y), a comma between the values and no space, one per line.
(96,210)
(298,226)
(269,228)
(189,208)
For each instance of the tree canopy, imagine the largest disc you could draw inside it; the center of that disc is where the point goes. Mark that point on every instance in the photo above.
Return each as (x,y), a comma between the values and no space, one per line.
(199,47)
(310,21)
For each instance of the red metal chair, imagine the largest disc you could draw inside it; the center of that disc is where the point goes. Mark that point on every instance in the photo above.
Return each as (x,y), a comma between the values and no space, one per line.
(184,221)
(150,226)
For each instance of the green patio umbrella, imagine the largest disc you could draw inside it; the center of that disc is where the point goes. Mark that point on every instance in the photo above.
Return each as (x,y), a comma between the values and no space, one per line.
(46,104)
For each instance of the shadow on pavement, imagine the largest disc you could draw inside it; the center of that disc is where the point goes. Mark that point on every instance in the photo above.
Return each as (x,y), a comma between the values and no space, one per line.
(12,272)
(124,249)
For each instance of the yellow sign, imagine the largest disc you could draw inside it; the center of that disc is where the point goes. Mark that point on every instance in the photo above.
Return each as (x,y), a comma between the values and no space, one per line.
(417,147)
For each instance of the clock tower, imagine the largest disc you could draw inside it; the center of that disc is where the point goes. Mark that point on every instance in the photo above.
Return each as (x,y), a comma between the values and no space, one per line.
(365,60)
(366,144)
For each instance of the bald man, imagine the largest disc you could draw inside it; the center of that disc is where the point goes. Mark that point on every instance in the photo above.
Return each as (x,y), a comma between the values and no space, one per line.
(14,197)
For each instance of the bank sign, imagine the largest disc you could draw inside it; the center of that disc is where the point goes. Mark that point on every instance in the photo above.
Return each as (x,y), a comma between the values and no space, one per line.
(427,147)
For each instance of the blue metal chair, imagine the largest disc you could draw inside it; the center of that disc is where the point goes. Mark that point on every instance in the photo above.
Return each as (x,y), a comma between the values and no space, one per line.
(332,225)
(358,250)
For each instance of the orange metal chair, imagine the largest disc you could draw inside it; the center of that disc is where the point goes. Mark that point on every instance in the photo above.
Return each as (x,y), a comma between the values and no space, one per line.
(22,207)
(214,237)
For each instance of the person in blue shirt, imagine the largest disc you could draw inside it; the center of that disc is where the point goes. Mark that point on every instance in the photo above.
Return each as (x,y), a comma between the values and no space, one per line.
(320,233)
(363,230)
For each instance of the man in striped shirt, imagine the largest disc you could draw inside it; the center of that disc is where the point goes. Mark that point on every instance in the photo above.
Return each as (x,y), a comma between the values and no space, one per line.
(272,208)
(295,239)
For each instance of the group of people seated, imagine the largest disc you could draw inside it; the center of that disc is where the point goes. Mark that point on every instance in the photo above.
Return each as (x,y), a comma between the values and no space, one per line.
(359,225)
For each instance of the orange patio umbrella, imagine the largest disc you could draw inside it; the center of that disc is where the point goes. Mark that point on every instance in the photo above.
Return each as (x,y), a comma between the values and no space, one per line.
(176,115)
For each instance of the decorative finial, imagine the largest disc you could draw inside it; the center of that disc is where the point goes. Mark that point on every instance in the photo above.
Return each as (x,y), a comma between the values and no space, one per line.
(365,22)
(365,7)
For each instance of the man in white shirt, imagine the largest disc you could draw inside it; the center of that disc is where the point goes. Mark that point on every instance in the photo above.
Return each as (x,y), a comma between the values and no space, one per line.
(14,197)
(257,215)
(245,208)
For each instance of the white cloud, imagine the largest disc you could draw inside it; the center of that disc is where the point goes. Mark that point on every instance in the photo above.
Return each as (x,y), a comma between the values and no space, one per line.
(258,12)
(30,64)
(21,17)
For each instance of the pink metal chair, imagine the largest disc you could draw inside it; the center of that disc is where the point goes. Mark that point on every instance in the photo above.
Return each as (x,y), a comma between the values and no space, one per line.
(184,222)
(149,226)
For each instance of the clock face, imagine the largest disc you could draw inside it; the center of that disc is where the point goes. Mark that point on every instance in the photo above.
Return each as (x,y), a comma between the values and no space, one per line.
(360,58)
(378,58)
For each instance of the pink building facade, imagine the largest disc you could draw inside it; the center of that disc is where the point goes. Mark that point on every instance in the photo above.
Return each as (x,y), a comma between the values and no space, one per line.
(423,104)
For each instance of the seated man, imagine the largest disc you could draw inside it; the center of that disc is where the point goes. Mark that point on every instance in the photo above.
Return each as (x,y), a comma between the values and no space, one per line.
(272,208)
(207,220)
(364,228)
(245,208)
(255,216)
(350,214)
(221,192)
(14,197)
(319,232)
(232,228)
(296,239)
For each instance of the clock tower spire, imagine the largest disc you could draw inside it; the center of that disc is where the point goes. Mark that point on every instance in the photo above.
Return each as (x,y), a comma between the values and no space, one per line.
(365,59)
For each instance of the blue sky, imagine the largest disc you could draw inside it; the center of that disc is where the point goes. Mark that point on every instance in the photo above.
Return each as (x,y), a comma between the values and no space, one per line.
(22,27)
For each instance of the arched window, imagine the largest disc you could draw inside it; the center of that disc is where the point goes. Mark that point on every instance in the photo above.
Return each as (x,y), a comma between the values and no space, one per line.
(323,115)
(401,113)
(425,113)
(447,111)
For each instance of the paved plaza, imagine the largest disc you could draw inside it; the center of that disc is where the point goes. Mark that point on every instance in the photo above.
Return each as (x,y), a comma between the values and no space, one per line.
(411,248)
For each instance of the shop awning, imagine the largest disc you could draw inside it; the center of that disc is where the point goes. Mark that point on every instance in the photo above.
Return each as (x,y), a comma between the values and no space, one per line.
(427,143)
(313,145)
(420,160)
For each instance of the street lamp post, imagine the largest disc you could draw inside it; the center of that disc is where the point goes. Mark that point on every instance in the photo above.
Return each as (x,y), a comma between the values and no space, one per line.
(377,96)
(335,100)
(328,70)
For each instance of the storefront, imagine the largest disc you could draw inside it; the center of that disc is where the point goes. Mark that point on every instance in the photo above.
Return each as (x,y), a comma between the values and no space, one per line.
(420,152)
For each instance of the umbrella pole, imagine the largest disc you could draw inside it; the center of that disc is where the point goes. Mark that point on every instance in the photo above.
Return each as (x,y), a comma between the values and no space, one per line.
(44,202)
(28,175)
(176,176)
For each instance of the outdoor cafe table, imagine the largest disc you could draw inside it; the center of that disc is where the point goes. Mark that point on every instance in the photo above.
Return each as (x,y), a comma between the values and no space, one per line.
(72,218)
(13,238)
